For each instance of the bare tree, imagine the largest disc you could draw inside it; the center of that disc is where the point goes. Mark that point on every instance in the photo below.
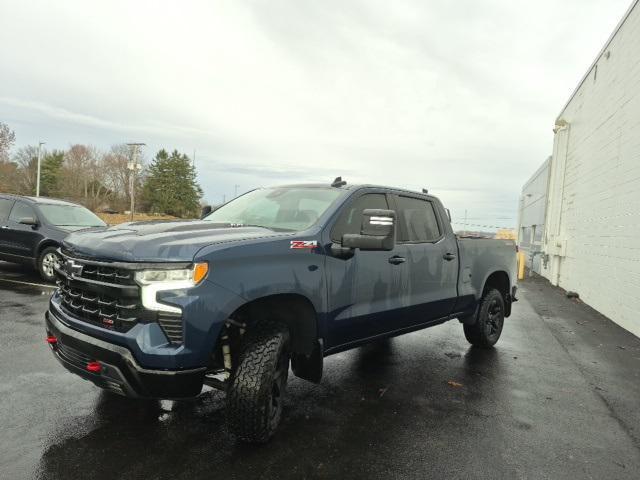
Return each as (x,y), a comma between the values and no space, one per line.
(98,191)
(118,174)
(26,159)
(7,139)
(9,177)
(79,161)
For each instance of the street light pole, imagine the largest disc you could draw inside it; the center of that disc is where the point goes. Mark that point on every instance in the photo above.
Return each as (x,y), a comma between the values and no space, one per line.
(134,167)
(38,174)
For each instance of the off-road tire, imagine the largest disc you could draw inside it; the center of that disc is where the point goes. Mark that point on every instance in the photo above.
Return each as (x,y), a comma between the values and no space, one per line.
(487,328)
(44,265)
(257,384)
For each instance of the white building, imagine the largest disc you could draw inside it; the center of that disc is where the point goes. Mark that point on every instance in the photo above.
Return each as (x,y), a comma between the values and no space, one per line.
(532,215)
(592,228)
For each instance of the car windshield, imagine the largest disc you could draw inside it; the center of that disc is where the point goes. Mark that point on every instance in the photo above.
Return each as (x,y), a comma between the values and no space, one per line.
(284,208)
(70,216)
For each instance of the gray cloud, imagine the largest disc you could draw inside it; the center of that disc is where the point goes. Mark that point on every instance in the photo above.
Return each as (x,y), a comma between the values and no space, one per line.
(458,97)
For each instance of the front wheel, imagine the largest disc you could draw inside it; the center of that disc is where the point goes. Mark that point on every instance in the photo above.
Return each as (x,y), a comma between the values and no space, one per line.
(486,331)
(257,384)
(47,261)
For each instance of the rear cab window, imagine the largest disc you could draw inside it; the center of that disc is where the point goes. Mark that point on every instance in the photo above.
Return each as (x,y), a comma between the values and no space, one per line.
(418,221)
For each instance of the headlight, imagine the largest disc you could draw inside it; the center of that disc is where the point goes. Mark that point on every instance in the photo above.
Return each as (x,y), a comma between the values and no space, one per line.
(153,281)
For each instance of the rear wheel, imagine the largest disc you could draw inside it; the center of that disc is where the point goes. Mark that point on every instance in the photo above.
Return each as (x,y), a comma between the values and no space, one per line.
(257,384)
(47,261)
(487,328)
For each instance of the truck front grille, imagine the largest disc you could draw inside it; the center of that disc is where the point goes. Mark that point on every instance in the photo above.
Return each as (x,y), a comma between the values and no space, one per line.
(72,355)
(101,295)
(107,295)
(104,310)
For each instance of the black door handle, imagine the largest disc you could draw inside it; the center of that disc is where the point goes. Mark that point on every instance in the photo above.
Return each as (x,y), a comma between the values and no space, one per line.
(448,256)
(396,260)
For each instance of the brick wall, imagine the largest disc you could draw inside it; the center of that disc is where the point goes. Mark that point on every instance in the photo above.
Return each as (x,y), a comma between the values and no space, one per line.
(593,211)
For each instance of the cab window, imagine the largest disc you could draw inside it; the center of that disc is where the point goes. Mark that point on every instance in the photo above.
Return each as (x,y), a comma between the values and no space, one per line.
(5,208)
(350,219)
(418,221)
(21,210)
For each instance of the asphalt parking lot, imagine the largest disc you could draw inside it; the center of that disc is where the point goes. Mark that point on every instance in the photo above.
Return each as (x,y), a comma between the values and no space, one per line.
(557,398)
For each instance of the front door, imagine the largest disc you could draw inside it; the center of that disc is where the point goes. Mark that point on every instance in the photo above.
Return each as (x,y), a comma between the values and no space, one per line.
(5,209)
(364,291)
(22,239)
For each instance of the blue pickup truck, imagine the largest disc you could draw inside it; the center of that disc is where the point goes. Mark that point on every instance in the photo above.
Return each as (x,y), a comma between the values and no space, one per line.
(277,277)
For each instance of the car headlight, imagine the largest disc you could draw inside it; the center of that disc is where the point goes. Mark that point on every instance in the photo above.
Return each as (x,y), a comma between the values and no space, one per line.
(153,281)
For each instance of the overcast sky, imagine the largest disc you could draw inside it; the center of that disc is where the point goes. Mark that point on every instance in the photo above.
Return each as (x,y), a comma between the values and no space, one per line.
(459,97)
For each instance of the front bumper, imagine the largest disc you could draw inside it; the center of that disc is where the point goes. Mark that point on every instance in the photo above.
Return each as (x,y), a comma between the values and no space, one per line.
(119,372)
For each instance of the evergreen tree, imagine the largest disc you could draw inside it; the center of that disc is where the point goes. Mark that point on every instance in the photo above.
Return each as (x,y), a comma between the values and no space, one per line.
(170,186)
(51,174)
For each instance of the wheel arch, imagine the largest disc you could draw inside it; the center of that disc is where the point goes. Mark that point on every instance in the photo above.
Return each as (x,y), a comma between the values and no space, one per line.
(499,279)
(48,242)
(294,310)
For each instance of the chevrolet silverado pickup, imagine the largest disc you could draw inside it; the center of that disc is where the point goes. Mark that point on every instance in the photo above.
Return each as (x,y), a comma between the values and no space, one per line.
(278,277)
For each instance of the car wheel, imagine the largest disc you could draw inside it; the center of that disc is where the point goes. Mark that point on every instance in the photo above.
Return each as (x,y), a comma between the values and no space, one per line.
(487,328)
(257,384)
(47,260)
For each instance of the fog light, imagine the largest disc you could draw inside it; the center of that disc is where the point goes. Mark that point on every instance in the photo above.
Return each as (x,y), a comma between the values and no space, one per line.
(51,340)
(94,367)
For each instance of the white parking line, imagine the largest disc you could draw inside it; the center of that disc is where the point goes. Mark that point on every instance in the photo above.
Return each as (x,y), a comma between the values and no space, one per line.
(28,283)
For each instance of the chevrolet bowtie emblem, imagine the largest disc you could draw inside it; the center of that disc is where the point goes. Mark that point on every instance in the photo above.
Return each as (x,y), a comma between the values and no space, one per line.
(72,268)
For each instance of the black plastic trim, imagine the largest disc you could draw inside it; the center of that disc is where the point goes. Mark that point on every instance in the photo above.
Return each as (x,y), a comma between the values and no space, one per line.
(121,367)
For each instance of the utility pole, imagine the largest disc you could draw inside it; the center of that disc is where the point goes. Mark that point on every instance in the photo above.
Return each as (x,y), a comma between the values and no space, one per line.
(38,174)
(236,191)
(134,167)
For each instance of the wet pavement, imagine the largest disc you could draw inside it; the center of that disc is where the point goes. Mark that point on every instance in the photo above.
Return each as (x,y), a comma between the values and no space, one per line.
(557,398)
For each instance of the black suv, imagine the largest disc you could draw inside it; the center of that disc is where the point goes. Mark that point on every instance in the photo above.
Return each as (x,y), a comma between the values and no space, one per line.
(32,229)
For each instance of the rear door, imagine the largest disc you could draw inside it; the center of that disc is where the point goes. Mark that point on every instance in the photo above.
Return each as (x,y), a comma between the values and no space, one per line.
(22,239)
(364,291)
(431,260)
(5,209)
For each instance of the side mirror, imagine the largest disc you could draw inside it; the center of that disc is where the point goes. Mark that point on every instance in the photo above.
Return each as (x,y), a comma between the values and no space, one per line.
(378,231)
(206,210)
(28,221)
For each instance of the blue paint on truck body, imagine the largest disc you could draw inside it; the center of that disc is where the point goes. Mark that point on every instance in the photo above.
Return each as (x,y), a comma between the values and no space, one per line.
(354,299)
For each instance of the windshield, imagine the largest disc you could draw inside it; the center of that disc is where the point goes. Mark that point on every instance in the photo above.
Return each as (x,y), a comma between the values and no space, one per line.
(70,216)
(287,209)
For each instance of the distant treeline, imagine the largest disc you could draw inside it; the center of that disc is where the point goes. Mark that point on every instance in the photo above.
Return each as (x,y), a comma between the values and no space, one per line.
(100,180)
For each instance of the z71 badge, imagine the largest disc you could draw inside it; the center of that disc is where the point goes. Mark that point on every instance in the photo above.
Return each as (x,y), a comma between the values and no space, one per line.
(304,244)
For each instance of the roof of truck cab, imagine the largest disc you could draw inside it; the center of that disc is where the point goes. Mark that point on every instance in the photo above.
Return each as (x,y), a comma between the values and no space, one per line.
(354,186)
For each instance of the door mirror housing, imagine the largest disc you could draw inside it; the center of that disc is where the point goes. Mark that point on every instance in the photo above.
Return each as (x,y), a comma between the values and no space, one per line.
(378,231)
(28,221)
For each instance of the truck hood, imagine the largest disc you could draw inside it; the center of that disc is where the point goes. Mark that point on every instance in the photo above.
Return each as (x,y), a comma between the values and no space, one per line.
(160,241)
